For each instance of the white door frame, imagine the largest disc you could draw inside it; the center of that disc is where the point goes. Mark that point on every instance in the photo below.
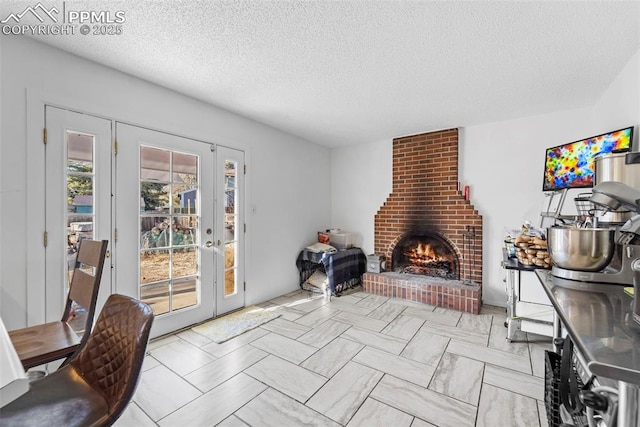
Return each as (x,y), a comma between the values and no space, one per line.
(58,121)
(233,301)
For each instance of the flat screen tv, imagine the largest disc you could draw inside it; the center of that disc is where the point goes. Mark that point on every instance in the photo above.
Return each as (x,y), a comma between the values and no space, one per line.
(572,165)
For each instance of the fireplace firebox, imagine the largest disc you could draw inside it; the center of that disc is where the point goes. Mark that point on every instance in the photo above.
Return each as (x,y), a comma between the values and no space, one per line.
(427,254)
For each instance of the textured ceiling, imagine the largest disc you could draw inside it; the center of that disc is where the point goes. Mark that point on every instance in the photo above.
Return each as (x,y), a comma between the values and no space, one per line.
(339,73)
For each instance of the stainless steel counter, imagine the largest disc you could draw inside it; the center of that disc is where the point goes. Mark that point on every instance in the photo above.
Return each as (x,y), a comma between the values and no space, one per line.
(598,318)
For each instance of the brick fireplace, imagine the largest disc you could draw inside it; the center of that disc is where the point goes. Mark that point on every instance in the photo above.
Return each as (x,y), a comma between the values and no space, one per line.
(428,209)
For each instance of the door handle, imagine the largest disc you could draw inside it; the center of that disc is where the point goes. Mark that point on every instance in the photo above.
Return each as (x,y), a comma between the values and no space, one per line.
(219,242)
(209,243)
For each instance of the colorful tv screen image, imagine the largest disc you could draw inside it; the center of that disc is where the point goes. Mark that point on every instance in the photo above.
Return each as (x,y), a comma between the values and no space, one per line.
(572,165)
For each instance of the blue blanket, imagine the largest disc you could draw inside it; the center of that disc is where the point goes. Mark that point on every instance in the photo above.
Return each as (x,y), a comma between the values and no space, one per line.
(344,268)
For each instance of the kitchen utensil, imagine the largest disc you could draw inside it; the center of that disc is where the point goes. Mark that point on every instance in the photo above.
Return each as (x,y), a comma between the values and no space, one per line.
(617,167)
(584,249)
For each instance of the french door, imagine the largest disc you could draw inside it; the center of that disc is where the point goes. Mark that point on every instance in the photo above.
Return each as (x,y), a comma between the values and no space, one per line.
(165,225)
(77,198)
(172,209)
(230,283)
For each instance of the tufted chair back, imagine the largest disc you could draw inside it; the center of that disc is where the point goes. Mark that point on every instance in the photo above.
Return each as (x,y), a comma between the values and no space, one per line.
(111,360)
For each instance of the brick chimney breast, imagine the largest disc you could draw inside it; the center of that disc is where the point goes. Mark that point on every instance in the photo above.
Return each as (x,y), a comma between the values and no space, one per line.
(426,198)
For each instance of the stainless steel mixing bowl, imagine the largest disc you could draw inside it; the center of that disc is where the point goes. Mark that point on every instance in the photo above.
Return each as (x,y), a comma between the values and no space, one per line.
(584,249)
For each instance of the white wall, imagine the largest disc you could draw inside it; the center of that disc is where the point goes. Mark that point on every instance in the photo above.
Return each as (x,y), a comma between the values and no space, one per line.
(360,184)
(501,162)
(283,169)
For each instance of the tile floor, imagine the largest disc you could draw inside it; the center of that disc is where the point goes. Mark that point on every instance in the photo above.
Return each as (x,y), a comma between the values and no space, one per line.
(357,360)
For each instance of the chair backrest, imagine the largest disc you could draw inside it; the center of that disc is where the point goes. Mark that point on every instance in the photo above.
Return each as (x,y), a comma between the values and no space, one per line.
(111,360)
(84,286)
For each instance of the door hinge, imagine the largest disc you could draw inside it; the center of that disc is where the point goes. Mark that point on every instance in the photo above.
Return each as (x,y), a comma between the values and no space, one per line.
(245,227)
(44,136)
(115,235)
(245,286)
(115,147)
(45,239)
(245,169)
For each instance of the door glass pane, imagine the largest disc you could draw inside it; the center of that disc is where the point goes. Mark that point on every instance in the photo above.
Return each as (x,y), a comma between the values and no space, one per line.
(155,164)
(169,218)
(154,266)
(185,293)
(157,296)
(230,224)
(230,282)
(80,198)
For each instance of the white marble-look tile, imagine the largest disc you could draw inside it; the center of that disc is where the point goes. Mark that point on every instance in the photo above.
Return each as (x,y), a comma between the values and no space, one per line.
(425,404)
(417,422)
(491,356)
(375,339)
(494,310)
(426,348)
(387,311)
(341,397)
(219,350)
(193,338)
(478,323)
(285,301)
(324,334)
(363,322)
(542,412)
(349,306)
(292,380)
(266,304)
(537,355)
(216,405)
(317,316)
(232,421)
(500,407)
(438,315)
(498,339)
(359,294)
(160,341)
(299,294)
(398,366)
(134,416)
(403,327)
(162,391)
(455,333)
(376,414)
(219,371)
(412,304)
(149,362)
(286,348)
(286,313)
(182,357)
(274,409)
(458,377)
(372,301)
(347,297)
(332,357)
(307,306)
(516,382)
(286,328)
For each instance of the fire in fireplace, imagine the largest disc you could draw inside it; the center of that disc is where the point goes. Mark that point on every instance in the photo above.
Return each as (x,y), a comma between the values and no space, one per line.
(425,254)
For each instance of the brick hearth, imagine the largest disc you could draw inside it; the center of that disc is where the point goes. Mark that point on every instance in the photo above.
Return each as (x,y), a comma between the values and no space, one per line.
(453,294)
(425,197)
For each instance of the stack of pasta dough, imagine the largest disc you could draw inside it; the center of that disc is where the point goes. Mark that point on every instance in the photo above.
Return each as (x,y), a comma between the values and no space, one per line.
(532,251)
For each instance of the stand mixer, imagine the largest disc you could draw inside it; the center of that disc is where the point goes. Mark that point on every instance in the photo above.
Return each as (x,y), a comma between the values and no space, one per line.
(603,255)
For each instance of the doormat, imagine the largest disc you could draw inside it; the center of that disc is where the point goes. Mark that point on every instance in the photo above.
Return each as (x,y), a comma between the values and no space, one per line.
(231,325)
